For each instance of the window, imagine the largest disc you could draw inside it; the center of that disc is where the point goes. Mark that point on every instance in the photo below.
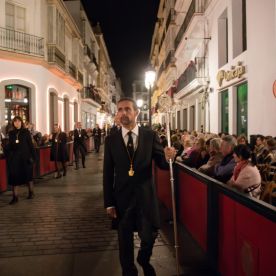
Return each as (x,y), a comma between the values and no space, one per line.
(223,39)
(239,26)
(15,17)
(192,118)
(224,112)
(184,125)
(76,112)
(66,114)
(242,109)
(60,34)
(17,100)
(53,110)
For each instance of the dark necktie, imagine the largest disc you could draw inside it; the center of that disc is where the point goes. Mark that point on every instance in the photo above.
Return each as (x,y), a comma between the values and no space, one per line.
(130,146)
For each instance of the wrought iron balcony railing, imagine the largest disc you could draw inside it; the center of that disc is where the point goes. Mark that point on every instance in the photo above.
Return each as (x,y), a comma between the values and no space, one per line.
(197,6)
(72,70)
(90,92)
(20,42)
(56,56)
(195,70)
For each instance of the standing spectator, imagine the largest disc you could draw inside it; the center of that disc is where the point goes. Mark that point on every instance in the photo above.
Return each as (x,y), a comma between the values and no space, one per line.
(246,176)
(80,136)
(224,170)
(59,152)
(20,158)
(96,133)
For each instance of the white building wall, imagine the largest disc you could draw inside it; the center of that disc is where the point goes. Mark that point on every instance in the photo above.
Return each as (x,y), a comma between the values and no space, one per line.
(258,60)
(43,80)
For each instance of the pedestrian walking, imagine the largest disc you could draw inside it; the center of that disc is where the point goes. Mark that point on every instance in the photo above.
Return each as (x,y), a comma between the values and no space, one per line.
(59,151)
(80,136)
(20,155)
(97,133)
(129,192)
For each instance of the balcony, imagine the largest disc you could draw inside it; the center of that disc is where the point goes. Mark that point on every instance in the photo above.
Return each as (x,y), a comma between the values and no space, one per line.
(170,59)
(56,56)
(192,78)
(87,52)
(91,93)
(197,7)
(170,18)
(80,77)
(72,70)
(19,42)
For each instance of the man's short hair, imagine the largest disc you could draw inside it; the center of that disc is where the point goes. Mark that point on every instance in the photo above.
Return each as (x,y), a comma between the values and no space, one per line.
(124,99)
(230,140)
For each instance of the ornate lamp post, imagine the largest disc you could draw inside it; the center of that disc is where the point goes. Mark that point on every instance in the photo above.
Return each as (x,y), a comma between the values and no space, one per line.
(139,103)
(149,82)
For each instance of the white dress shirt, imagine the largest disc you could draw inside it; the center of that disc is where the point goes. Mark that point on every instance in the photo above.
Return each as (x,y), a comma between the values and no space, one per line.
(134,135)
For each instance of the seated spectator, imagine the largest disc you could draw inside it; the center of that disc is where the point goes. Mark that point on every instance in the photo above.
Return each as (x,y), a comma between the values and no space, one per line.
(188,144)
(242,140)
(246,176)
(224,170)
(270,158)
(198,156)
(215,157)
(177,145)
(163,140)
(260,149)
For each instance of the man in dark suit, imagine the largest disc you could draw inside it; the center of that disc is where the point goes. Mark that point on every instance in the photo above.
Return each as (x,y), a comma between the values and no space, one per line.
(80,137)
(97,133)
(129,191)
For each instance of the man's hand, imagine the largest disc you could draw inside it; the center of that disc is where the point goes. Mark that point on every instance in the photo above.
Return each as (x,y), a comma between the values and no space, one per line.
(111,212)
(170,153)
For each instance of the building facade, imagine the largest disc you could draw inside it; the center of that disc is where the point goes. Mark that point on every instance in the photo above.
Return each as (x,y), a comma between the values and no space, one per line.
(217,56)
(140,93)
(50,65)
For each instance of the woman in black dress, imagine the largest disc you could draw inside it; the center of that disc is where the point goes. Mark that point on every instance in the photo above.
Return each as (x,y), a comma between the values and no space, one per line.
(59,152)
(20,158)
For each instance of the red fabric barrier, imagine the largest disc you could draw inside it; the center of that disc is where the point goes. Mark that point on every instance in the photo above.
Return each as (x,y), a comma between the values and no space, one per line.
(193,207)
(46,166)
(3,175)
(163,186)
(246,241)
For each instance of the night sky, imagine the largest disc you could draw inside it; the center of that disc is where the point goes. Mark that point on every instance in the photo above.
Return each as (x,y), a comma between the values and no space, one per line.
(127,26)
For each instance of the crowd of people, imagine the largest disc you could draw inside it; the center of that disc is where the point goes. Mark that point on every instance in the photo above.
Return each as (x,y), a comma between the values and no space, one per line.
(19,140)
(230,159)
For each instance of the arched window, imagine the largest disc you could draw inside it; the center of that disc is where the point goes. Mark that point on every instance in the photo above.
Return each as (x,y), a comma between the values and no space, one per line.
(66,114)
(53,110)
(76,117)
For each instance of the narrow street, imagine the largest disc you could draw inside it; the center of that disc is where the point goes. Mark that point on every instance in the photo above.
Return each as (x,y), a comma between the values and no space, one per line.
(64,230)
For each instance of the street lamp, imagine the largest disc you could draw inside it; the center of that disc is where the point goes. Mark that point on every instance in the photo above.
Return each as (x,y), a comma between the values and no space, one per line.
(149,81)
(139,103)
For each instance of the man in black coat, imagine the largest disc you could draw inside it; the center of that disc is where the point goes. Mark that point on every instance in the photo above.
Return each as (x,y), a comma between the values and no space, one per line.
(97,133)
(129,192)
(80,136)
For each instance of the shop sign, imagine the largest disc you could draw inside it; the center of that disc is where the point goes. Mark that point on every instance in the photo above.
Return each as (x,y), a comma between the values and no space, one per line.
(236,72)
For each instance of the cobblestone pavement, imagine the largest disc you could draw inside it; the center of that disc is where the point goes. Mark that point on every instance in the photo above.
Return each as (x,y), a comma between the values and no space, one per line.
(65,218)
(57,222)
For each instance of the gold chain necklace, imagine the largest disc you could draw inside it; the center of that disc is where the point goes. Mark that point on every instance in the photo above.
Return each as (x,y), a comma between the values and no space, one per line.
(17,140)
(131,171)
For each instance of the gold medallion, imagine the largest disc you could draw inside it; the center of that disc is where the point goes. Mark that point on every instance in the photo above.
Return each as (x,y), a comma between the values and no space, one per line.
(131,172)
(16,141)
(80,136)
(56,140)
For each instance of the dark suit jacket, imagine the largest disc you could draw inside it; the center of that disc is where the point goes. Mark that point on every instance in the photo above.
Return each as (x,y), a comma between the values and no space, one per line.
(80,141)
(120,189)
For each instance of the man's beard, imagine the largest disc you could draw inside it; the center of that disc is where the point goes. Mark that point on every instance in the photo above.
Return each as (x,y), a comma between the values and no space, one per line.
(125,121)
